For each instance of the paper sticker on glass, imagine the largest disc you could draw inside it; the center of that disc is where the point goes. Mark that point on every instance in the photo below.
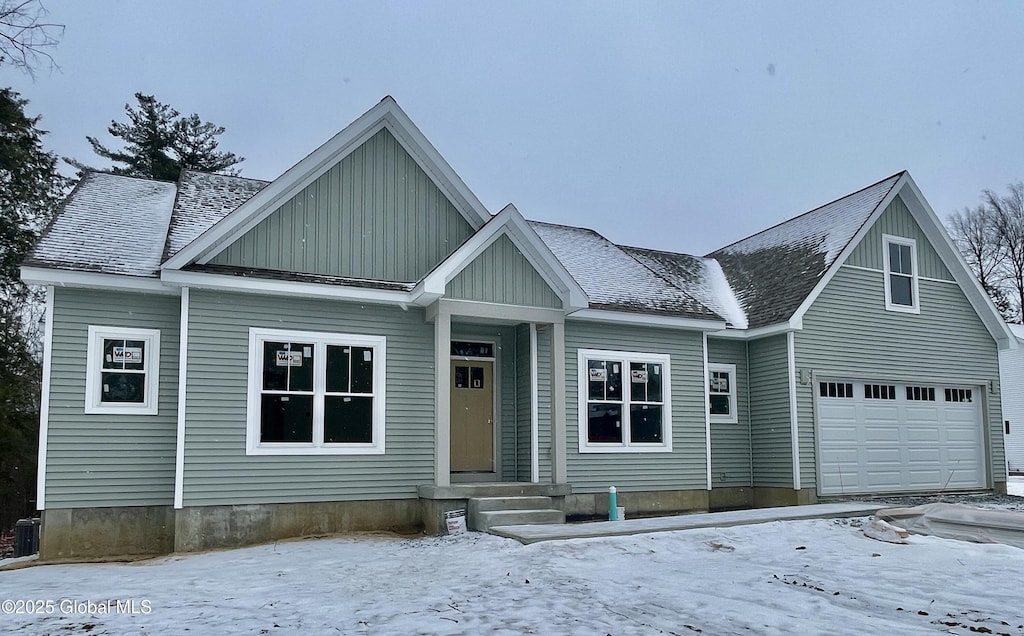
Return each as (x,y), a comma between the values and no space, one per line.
(123,376)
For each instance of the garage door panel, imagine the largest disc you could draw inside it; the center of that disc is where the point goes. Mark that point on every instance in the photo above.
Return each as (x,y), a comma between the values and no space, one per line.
(874,445)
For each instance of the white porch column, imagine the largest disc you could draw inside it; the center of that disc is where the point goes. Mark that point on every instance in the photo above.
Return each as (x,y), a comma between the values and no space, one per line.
(442,396)
(534,408)
(558,469)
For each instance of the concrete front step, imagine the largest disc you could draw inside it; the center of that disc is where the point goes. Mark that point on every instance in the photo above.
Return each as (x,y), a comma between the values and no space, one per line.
(487,519)
(493,489)
(485,504)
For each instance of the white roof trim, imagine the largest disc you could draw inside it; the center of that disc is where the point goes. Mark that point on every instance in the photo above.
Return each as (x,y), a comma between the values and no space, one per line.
(386,114)
(670,322)
(508,222)
(95,280)
(758,332)
(224,282)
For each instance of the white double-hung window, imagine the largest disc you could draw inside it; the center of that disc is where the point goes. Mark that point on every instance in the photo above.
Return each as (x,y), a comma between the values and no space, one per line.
(123,371)
(315,393)
(901,289)
(625,403)
(722,393)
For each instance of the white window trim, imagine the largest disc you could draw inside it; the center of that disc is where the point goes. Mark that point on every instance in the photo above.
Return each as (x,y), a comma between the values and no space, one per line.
(586,446)
(320,340)
(733,416)
(888,239)
(94,371)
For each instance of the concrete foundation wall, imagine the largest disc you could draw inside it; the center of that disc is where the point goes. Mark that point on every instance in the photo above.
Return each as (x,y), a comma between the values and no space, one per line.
(204,527)
(730,498)
(645,503)
(84,534)
(773,497)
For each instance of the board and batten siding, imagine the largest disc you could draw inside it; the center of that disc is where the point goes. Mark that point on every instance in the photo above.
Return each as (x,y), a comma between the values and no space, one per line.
(109,460)
(217,470)
(501,274)
(848,334)
(730,443)
(770,426)
(375,214)
(685,467)
(1011,369)
(896,220)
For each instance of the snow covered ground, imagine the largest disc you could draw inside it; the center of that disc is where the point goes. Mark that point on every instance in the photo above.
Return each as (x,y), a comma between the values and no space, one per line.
(794,577)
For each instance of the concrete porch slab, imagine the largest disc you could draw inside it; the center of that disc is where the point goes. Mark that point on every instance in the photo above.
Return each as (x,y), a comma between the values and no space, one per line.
(535,533)
(493,489)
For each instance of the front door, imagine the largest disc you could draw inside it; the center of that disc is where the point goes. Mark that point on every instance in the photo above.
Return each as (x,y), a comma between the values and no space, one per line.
(472,413)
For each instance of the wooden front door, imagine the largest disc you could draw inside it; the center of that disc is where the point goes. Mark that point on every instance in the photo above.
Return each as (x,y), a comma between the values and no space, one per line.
(472,416)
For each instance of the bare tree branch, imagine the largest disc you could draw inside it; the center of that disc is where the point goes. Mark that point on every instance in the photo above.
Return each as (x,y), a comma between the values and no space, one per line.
(25,36)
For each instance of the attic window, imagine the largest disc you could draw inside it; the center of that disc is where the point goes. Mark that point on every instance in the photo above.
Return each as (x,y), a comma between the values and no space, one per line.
(901,289)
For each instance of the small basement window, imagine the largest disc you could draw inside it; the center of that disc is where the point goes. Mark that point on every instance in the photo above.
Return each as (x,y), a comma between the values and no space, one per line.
(315,393)
(123,372)
(625,402)
(722,393)
(901,288)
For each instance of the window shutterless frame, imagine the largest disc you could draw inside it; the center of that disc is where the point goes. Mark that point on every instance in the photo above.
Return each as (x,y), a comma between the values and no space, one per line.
(371,350)
(634,406)
(899,258)
(722,393)
(122,371)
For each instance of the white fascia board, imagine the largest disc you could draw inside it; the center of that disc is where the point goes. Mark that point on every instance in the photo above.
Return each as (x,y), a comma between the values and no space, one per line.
(437,280)
(386,114)
(223,282)
(95,280)
(759,332)
(798,315)
(647,320)
(954,261)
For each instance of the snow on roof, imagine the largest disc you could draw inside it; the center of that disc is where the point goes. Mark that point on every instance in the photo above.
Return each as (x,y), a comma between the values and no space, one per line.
(773,271)
(701,278)
(1018,330)
(612,278)
(110,224)
(203,200)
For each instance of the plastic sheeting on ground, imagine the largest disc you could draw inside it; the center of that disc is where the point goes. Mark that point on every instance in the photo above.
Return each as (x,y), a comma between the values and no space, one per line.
(956,521)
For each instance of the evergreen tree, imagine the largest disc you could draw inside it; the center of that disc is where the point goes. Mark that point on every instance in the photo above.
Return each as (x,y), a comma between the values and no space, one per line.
(159,143)
(30,189)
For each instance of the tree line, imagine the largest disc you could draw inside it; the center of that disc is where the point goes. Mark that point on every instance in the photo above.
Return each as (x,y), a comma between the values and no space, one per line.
(991,238)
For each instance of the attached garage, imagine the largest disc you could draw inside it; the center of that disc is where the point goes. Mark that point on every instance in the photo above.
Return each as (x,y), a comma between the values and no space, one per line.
(877,437)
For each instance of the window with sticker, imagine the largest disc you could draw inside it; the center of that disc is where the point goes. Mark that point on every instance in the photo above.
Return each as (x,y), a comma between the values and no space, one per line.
(625,402)
(315,393)
(123,375)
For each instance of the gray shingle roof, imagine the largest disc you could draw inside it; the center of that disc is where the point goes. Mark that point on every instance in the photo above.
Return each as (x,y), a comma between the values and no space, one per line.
(773,271)
(109,224)
(121,225)
(203,199)
(612,279)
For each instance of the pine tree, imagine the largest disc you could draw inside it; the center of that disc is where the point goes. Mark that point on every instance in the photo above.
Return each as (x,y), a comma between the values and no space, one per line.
(159,143)
(30,189)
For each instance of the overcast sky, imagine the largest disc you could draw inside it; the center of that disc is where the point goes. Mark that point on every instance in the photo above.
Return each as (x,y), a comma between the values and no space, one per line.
(675,125)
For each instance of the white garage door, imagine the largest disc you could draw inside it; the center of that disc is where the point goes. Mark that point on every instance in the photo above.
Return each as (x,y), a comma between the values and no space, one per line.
(883,437)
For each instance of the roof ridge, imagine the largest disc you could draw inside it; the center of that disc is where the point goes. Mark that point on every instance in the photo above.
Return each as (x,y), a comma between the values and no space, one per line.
(125,176)
(222,175)
(803,214)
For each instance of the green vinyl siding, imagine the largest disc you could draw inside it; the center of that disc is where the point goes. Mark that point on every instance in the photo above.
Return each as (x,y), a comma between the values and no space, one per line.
(896,220)
(501,274)
(375,214)
(770,427)
(217,470)
(109,460)
(730,442)
(849,334)
(683,468)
